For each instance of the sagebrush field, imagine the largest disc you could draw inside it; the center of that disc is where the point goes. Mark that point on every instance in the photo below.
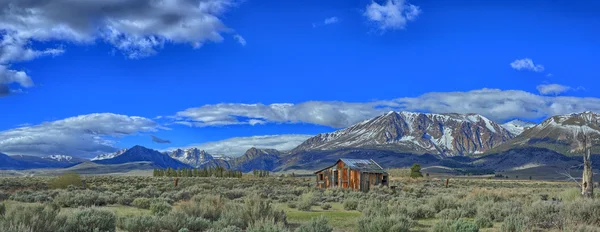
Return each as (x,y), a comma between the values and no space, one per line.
(111,203)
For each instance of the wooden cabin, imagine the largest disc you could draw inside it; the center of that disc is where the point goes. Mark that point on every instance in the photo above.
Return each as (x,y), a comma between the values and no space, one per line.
(356,174)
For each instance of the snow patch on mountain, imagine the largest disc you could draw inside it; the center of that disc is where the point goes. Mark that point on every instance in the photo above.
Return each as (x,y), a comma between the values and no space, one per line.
(60,158)
(516,127)
(109,155)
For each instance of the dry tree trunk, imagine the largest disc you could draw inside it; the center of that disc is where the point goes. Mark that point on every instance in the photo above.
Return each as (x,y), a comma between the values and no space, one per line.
(587,185)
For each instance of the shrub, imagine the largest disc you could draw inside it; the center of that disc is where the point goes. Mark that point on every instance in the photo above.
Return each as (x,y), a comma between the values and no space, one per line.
(318,224)
(65,180)
(234,194)
(325,206)
(31,218)
(440,203)
(142,203)
(91,219)
(515,223)
(2,209)
(306,202)
(78,198)
(138,223)
(266,226)
(292,205)
(350,204)
(124,200)
(459,225)
(226,229)
(483,222)
(544,214)
(393,223)
(450,214)
(160,208)
(176,220)
(582,212)
(255,210)
(209,207)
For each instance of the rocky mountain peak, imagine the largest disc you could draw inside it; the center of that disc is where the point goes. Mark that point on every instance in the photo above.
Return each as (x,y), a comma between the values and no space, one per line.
(443,134)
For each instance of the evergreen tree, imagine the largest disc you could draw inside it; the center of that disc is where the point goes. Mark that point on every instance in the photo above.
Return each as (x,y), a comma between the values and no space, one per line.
(415,171)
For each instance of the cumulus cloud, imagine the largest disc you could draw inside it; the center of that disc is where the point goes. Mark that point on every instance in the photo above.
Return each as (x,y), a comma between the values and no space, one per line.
(526,64)
(552,89)
(240,39)
(239,145)
(392,15)
(159,140)
(81,136)
(137,28)
(327,21)
(499,105)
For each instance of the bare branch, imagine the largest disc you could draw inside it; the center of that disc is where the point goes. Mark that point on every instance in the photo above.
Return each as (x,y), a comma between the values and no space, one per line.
(570,177)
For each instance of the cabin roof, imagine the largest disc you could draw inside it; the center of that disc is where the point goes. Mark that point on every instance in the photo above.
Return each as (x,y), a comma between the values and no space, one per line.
(362,165)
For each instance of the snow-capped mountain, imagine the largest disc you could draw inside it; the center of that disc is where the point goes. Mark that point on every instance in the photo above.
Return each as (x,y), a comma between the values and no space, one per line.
(561,133)
(109,155)
(192,156)
(60,158)
(442,134)
(516,127)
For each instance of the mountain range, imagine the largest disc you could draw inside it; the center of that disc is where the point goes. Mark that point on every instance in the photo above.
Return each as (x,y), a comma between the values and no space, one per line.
(394,139)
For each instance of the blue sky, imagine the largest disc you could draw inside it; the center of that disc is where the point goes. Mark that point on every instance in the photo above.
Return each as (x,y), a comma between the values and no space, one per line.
(333,63)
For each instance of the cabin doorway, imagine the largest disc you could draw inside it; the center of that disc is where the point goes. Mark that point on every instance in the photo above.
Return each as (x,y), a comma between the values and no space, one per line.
(336,178)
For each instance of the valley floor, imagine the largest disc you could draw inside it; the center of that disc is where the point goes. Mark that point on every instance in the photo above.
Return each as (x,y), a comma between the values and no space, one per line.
(130,203)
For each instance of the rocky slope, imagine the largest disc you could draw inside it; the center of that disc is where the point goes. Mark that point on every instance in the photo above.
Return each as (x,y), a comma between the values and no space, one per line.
(562,133)
(192,156)
(418,133)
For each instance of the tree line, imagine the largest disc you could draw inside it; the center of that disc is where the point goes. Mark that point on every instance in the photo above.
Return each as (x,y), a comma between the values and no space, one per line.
(196,172)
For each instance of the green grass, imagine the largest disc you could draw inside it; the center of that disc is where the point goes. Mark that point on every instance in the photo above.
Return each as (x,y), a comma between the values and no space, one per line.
(119,210)
(337,216)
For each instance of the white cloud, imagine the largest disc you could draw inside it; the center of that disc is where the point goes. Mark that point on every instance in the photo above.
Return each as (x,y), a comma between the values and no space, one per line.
(327,21)
(499,105)
(331,20)
(552,89)
(138,28)
(9,76)
(240,39)
(239,145)
(526,64)
(392,15)
(81,136)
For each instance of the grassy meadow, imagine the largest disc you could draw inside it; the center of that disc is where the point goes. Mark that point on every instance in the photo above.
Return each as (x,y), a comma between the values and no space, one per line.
(269,204)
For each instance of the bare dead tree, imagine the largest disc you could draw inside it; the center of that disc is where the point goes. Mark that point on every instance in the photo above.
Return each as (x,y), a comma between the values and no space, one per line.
(587,180)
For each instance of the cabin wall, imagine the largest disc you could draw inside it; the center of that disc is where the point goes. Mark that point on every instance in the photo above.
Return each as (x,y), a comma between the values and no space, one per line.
(340,176)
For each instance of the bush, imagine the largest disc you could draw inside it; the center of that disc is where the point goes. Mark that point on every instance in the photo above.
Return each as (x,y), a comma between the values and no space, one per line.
(582,212)
(460,225)
(124,200)
(142,203)
(32,218)
(515,223)
(318,224)
(2,209)
(226,229)
(138,223)
(350,204)
(160,208)
(306,202)
(545,215)
(440,203)
(91,219)
(176,221)
(65,180)
(292,205)
(325,206)
(483,222)
(392,223)
(266,226)
(78,198)
(450,214)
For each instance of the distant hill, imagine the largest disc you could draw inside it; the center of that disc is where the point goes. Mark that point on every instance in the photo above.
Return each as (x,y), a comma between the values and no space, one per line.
(22,162)
(561,133)
(142,154)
